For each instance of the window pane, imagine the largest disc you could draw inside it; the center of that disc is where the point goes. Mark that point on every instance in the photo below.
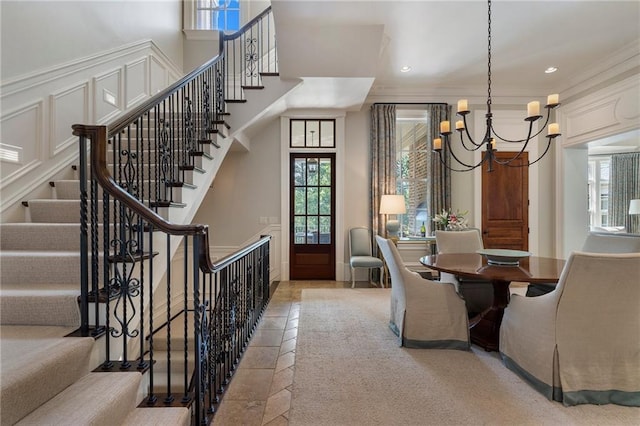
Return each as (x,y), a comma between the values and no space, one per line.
(313,133)
(297,133)
(327,134)
(300,172)
(312,229)
(312,171)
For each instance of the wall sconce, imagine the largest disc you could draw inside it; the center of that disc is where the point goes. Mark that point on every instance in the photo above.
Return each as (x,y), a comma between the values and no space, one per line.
(392,204)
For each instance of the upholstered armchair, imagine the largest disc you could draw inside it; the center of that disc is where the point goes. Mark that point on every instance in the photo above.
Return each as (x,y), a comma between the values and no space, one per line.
(424,313)
(596,242)
(478,294)
(580,343)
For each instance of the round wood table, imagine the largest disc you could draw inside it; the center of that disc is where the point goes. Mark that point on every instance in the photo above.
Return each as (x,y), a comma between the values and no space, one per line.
(485,327)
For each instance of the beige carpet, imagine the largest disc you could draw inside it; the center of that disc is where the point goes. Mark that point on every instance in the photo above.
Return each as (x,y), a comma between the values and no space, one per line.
(350,371)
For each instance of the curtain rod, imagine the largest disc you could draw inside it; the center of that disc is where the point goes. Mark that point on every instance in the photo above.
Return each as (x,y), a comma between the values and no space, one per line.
(613,153)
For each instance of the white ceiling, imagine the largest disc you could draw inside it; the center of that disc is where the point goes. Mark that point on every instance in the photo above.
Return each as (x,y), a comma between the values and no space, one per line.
(363,44)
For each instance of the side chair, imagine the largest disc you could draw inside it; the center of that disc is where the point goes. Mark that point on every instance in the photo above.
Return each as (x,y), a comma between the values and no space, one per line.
(361,254)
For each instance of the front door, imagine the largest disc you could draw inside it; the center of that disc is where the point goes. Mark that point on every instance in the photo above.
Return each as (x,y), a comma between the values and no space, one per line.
(505,204)
(312,220)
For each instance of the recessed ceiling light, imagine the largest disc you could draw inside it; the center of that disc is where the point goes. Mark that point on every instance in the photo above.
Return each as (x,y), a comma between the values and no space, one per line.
(550,70)
(406,68)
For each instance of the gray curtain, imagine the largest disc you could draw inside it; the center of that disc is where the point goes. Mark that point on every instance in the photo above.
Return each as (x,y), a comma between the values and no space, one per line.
(383,161)
(439,176)
(624,186)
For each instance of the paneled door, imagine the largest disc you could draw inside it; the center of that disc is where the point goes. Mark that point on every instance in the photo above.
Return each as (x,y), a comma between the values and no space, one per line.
(505,204)
(312,218)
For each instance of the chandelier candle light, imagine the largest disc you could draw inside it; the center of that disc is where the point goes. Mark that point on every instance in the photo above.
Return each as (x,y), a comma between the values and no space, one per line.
(489,141)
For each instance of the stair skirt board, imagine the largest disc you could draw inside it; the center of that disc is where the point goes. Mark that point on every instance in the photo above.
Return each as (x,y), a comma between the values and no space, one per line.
(34,370)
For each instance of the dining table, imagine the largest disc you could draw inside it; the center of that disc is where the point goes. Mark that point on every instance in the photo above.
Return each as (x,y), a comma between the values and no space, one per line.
(485,327)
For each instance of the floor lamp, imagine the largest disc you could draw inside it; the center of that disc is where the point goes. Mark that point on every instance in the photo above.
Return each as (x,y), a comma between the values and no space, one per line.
(392,205)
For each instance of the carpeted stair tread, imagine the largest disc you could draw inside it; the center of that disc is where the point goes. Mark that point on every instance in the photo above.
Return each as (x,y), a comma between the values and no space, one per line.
(35,370)
(160,341)
(54,305)
(33,332)
(158,416)
(40,236)
(160,384)
(58,211)
(96,399)
(39,267)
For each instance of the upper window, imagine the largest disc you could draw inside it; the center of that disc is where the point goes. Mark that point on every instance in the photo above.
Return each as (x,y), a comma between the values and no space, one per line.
(598,181)
(312,133)
(218,15)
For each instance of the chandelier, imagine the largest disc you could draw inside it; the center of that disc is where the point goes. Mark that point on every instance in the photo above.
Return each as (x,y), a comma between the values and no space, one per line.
(490,135)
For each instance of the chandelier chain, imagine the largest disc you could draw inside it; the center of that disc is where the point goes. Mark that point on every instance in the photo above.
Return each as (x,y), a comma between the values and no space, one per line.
(489,60)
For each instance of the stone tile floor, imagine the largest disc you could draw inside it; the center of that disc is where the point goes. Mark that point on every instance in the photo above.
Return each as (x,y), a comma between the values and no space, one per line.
(260,391)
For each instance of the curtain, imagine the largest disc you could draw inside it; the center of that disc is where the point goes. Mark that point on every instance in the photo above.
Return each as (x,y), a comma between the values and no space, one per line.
(383,161)
(439,176)
(624,186)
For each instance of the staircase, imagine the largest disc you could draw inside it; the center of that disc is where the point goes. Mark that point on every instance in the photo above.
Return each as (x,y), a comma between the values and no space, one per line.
(94,326)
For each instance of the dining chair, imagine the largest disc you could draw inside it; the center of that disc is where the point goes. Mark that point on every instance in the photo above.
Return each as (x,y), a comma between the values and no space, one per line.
(580,343)
(424,313)
(477,293)
(361,254)
(596,242)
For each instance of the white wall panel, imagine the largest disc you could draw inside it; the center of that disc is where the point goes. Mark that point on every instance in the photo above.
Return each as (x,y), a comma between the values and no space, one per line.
(136,81)
(107,95)
(20,132)
(67,107)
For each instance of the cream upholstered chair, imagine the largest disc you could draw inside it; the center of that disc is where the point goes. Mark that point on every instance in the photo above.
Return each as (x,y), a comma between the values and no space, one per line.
(596,242)
(580,343)
(424,313)
(478,294)
(361,254)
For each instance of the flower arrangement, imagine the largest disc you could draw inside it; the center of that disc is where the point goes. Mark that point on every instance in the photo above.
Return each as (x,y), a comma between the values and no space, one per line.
(451,221)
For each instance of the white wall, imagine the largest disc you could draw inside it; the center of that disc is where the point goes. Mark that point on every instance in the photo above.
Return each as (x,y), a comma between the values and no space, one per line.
(40,34)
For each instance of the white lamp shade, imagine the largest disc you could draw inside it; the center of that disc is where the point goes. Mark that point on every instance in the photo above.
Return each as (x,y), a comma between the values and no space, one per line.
(392,204)
(634,206)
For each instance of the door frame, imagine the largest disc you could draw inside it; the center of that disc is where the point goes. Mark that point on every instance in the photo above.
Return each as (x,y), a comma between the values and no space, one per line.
(285,150)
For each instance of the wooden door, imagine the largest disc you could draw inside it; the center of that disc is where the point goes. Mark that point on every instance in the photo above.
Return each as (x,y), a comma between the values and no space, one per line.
(505,204)
(312,213)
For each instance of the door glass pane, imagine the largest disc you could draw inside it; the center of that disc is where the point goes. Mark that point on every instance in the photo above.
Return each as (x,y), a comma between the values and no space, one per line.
(325,172)
(312,229)
(299,172)
(325,229)
(300,225)
(312,200)
(312,171)
(325,200)
(299,201)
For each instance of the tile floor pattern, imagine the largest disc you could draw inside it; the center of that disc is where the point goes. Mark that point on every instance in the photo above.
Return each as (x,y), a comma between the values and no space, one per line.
(260,391)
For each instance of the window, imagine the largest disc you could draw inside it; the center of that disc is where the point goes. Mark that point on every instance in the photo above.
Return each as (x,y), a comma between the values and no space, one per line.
(218,15)
(312,133)
(598,183)
(411,178)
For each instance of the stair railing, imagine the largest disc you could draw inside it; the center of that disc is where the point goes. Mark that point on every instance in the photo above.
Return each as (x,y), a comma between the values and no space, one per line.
(148,305)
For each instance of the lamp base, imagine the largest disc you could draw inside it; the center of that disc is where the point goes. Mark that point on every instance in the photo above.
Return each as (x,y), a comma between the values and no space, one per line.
(393,226)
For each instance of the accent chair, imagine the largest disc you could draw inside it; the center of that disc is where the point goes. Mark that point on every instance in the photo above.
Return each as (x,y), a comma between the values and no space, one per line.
(424,313)
(361,254)
(580,343)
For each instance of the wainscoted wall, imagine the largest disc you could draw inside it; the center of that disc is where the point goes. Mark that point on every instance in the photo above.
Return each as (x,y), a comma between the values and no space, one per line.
(38,110)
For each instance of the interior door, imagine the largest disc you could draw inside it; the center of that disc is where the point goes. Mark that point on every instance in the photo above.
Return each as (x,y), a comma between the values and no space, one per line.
(312,218)
(505,204)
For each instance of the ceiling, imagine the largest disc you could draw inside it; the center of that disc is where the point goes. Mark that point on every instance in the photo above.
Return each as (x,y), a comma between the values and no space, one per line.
(358,47)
